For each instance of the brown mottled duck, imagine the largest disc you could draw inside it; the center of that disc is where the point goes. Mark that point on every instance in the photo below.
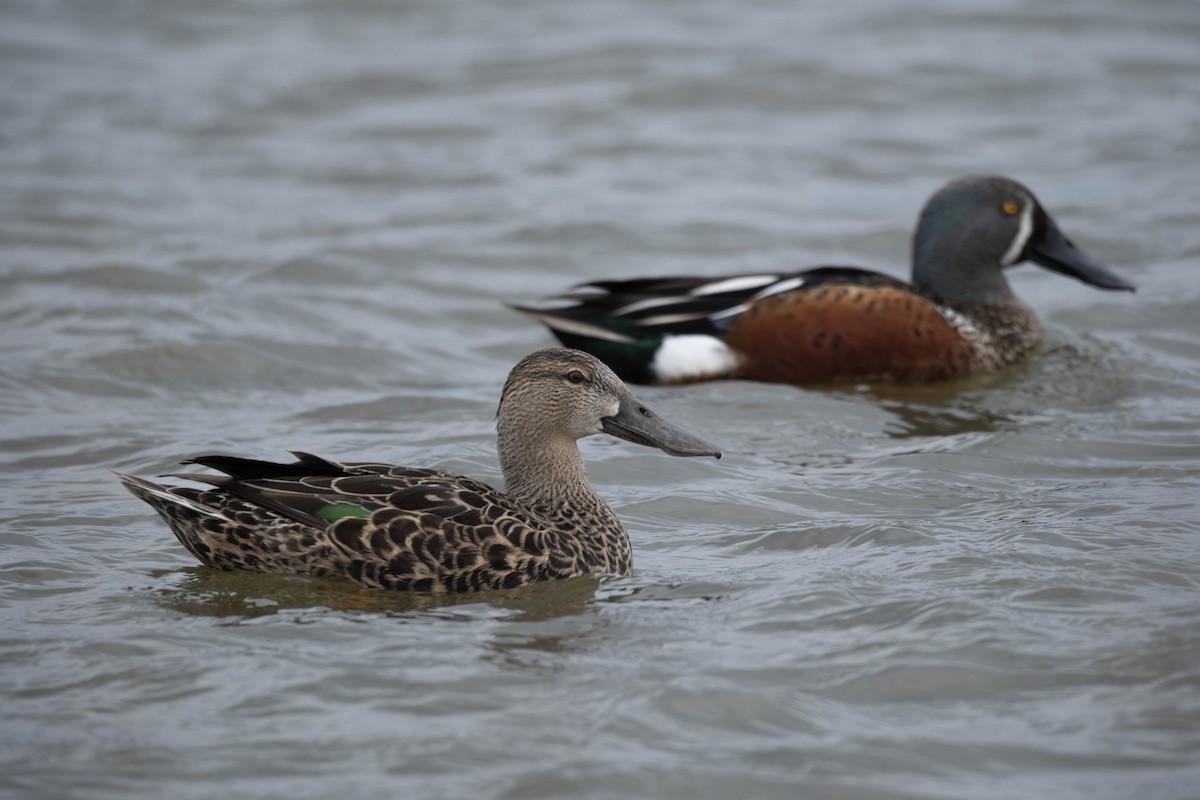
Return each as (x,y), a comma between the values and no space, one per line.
(406,528)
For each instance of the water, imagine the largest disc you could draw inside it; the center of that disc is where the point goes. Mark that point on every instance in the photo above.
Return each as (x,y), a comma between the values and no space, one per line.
(249,227)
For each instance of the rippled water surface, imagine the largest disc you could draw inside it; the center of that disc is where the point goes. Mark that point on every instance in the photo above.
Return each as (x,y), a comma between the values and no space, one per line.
(248,227)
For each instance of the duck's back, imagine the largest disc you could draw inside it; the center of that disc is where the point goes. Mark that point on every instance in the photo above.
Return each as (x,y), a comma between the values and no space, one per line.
(381,525)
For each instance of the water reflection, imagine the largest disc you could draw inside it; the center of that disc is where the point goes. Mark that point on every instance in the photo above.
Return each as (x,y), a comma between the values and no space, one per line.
(917,416)
(1061,375)
(239,596)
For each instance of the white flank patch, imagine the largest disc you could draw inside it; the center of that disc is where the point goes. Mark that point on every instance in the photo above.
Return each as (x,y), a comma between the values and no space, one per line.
(1024,231)
(691,357)
(739,284)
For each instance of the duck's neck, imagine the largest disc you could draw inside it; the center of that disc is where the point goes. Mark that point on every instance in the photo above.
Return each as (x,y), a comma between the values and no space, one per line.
(954,275)
(546,472)
(547,476)
(538,470)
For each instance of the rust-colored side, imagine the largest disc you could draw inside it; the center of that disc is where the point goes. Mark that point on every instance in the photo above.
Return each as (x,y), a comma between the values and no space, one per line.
(846,332)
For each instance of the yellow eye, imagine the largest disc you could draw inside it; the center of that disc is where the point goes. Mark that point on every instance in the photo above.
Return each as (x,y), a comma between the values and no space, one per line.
(1009,207)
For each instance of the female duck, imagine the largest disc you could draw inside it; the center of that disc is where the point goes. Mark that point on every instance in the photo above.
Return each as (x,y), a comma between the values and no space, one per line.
(405,528)
(957,316)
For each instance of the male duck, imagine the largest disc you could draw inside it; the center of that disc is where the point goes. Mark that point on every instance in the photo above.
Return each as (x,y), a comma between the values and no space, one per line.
(404,528)
(957,316)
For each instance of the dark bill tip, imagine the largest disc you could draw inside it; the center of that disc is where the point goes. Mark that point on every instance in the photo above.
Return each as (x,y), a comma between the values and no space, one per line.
(1054,251)
(635,423)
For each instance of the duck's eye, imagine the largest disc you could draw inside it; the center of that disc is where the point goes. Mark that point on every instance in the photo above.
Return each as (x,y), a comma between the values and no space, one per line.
(1010,207)
(575,376)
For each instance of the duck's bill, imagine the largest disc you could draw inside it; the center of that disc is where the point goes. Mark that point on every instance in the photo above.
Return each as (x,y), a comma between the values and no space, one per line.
(635,423)
(1058,253)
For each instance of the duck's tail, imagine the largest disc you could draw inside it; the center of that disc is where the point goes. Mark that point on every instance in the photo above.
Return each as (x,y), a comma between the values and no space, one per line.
(184,514)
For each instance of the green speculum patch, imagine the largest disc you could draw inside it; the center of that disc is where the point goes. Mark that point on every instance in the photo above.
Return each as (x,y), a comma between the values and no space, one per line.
(335,511)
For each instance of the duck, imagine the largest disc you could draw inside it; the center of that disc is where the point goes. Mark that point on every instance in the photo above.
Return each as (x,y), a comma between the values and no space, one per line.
(957,316)
(386,526)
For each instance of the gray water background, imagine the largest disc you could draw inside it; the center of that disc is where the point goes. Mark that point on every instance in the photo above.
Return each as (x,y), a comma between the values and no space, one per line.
(253,226)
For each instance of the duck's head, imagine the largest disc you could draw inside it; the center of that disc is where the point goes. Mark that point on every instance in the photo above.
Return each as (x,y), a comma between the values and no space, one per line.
(562,393)
(974,228)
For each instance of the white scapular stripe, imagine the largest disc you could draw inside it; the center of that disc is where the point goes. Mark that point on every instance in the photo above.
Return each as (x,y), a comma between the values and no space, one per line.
(779,287)
(671,319)
(692,356)
(732,311)
(579,328)
(736,284)
(650,302)
(742,283)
